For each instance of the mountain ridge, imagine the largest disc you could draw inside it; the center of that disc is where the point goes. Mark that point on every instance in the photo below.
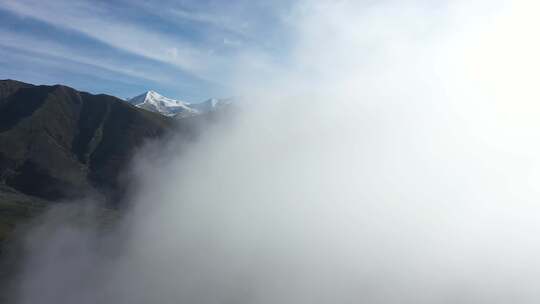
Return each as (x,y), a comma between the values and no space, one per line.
(57,142)
(155,102)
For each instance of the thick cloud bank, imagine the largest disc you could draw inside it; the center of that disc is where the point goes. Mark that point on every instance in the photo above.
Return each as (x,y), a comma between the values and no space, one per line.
(392,157)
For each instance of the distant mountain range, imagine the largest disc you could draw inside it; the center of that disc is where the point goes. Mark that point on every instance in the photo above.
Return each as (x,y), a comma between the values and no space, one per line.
(155,102)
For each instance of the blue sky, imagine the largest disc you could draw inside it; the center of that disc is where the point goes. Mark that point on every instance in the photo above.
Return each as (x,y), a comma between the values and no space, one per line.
(183,49)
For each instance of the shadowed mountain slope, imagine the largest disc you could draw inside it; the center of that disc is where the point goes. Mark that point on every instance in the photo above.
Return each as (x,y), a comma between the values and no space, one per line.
(56,142)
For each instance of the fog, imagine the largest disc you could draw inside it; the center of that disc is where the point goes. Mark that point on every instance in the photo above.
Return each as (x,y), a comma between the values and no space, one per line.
(391,157)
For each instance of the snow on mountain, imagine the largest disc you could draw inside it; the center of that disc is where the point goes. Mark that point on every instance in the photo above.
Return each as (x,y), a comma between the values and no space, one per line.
(155,102)
(210,105)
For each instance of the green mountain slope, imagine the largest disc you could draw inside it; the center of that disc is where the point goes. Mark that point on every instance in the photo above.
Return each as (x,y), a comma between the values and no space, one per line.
(58,143)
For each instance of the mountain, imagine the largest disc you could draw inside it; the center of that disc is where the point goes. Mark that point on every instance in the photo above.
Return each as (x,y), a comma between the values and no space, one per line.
(57,142)
(155,102)
(58,145)
(210,105)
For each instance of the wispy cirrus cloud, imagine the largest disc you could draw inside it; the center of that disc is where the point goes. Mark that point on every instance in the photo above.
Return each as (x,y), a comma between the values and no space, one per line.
(187,49)
(61,51)
(97,22)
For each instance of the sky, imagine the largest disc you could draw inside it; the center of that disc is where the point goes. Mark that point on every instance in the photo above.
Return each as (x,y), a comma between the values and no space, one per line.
(182,49)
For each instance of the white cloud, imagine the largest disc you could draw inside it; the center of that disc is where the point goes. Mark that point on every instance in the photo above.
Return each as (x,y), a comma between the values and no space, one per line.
(215,20)
(49,48)
(90,19)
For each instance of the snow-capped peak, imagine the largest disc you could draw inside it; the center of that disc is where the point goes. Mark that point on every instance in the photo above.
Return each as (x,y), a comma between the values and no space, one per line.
(153,101)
